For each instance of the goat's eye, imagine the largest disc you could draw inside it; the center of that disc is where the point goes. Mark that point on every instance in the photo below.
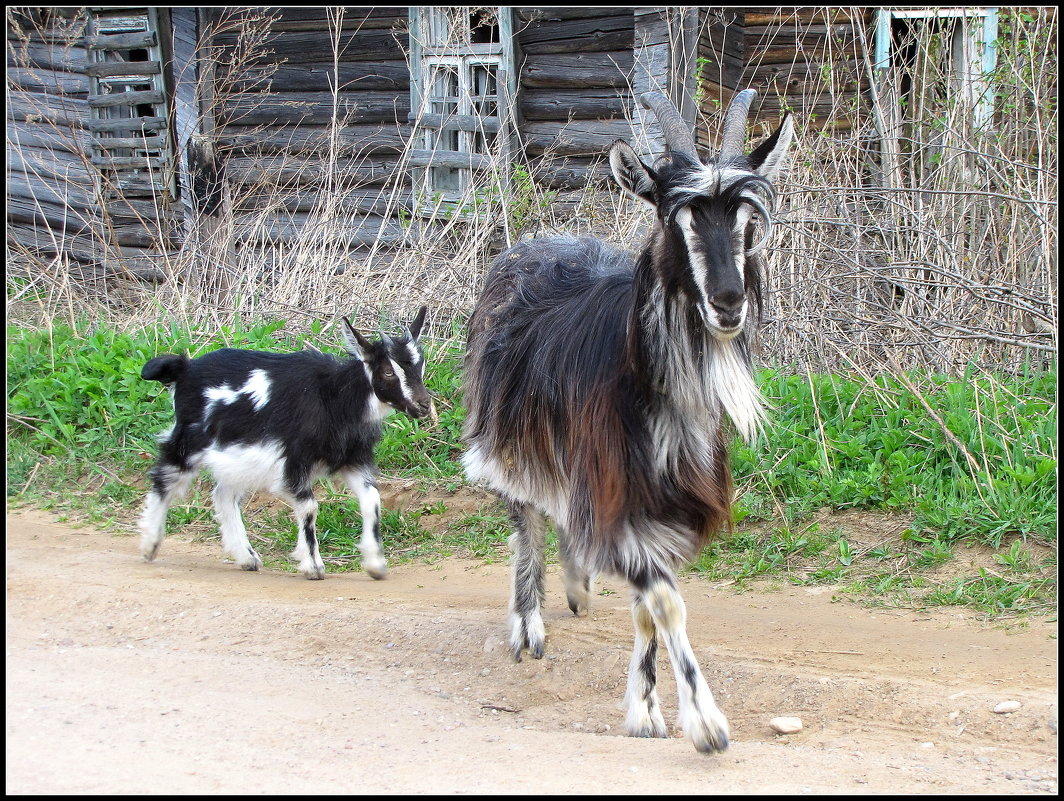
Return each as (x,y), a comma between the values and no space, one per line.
(387,372)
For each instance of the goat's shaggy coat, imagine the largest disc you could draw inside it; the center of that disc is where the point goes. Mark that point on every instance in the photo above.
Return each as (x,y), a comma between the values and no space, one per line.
(597,385)
(279,422)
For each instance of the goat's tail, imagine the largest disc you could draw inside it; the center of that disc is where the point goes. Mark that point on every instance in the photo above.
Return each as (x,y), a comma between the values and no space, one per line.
(167,368)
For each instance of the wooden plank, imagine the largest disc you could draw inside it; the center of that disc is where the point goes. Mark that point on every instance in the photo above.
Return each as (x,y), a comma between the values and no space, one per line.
(133,143)
(31,134)
(315,108)
(314,18)
(572,173)
(130,162)
(111,69)
(362,201)
(301,227)
(806,80)
(43,241)
(449,158)
(365,139)
(39,107)
(577,138)
(310,47)
(350,77)
(808,14)
(117,99)
(577,70)
(121,41)
(578,35)
(587,104)
(455,122)
(58,192)
(47,81)
(138,125)
(555,14)
(50,164)
(49,56)
(288,170)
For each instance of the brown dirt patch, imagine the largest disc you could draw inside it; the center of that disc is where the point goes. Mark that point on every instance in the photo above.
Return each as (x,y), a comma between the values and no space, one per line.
(188,675)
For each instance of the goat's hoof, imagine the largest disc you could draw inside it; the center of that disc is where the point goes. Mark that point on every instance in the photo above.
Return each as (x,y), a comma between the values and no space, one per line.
(646,723)
(313,572)
(579,606)
(252,561)
(708,736)
(376,571)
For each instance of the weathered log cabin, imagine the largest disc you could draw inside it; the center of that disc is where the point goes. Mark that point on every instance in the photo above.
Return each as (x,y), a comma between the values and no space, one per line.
(132,131)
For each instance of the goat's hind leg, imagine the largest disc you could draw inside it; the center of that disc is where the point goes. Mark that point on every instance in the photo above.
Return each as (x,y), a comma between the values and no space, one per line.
(234,535)
(577,580)
(169,483)
(527,543)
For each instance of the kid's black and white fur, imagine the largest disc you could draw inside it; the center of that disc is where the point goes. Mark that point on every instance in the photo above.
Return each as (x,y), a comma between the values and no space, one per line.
(278,423)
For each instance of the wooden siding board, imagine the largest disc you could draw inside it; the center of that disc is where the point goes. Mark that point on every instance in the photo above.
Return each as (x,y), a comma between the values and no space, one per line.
(316,138)
(315,18)
(290,171)
(310,47)
(315,108)
(577,35)
(610,69)
(577,138)
(349,77)
(588,104)
(46,81)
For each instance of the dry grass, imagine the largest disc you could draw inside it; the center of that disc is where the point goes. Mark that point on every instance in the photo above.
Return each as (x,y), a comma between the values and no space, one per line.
(939,255)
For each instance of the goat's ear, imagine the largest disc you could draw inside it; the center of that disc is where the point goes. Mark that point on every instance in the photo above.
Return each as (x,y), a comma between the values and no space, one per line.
(633,175)
(357,345)
(414,329)
(767,157)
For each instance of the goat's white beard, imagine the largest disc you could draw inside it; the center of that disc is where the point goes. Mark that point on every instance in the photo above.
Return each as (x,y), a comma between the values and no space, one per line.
(730,380)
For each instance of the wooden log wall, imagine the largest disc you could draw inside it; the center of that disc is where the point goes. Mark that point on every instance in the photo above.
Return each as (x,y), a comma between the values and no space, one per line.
(275,135)
(575,90)
(809,60)
(53,202)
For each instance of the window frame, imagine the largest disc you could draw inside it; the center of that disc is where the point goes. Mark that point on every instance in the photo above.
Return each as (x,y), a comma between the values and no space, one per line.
(479,137)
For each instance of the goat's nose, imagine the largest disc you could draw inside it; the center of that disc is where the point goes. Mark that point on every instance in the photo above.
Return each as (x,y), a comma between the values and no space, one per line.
(728,303)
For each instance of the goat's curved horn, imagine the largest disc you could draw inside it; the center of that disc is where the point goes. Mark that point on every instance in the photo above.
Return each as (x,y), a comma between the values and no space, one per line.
(677,132)
(733,137)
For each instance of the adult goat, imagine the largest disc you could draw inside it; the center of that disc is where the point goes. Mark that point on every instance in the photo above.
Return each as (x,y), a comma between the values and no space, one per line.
(279,422)
(596,387)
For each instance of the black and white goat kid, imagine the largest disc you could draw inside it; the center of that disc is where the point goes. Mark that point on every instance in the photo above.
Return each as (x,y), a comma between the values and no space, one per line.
(597,385)
(279,422)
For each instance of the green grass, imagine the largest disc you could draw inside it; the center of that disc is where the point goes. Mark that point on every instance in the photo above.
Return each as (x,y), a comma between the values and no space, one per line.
(968,461)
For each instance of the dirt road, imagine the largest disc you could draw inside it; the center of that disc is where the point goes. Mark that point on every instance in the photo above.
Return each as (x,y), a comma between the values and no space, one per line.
(188,675)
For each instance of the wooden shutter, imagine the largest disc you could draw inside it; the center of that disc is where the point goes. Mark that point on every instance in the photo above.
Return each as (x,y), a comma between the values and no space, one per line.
(131,144)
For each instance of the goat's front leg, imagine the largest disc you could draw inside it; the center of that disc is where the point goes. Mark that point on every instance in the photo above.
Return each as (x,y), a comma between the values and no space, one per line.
(363,484)
(234,535)
(527,542)
(700,718)
(644,717)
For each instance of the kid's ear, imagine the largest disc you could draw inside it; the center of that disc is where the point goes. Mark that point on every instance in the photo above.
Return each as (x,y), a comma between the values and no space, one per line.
(634,177)
(414,329)
(357,345)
